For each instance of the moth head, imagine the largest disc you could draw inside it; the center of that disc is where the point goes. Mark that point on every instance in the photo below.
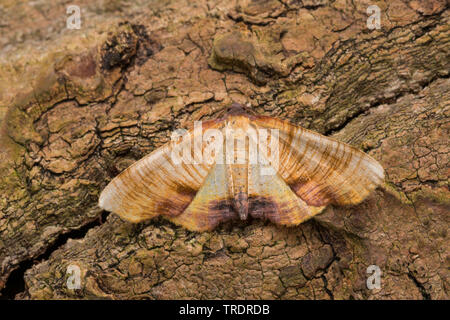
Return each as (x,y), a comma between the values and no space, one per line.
(239,109)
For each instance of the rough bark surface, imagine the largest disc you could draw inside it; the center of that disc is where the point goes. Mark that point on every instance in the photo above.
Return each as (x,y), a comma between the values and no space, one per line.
(79,106)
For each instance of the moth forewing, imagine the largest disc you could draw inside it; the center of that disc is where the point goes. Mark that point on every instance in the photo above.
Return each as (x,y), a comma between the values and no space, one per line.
(213,147)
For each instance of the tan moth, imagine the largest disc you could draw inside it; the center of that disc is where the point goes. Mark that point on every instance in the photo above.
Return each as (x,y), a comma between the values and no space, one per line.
(308,172)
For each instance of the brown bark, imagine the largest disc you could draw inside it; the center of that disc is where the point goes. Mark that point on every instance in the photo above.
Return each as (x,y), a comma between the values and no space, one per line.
(79,106)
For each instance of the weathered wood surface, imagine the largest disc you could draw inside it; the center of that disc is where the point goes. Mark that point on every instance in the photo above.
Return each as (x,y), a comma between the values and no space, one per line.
(79,106)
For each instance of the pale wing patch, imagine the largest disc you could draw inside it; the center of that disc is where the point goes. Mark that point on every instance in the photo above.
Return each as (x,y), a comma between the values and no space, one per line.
(271,198)
(212,204)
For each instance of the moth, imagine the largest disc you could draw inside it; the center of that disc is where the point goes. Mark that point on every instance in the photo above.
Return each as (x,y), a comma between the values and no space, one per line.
(240,165)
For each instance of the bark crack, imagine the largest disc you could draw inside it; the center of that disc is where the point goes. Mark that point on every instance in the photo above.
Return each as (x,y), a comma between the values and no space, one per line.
(15,284)
(423,292)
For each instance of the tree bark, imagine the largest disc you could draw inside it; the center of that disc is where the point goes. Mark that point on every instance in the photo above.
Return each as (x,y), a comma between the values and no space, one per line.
(78,106)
